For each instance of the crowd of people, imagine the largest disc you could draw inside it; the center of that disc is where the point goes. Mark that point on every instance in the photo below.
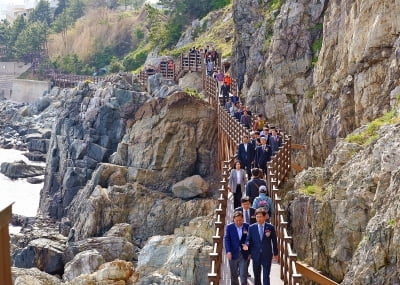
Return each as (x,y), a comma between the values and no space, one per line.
(250,235)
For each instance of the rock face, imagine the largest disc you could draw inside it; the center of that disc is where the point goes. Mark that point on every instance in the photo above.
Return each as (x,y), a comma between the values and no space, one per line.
(171,139)
(86,133)
(171,260)
(317,69)
(190,187)
(351,230)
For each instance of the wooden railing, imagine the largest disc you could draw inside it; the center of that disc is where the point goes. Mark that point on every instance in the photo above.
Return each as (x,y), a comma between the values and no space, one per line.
(5,262)
(70,80)
(230,135)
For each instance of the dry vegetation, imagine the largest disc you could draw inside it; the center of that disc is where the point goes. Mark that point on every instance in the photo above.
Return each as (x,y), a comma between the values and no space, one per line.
(99,28)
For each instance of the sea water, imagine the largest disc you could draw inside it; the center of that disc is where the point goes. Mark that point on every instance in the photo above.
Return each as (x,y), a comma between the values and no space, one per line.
(24,195)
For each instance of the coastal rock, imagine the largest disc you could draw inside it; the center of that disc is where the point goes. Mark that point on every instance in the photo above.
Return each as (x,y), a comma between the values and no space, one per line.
(43,253)
(117,272)
(110,248)
(87,132)
(171,139)
(20,169)
(150,212)
(190,187)
(85,262)
(32,276)
(349,230)
(174,260)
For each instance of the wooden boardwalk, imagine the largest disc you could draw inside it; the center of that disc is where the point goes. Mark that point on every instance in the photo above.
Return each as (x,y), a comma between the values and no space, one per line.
(225,272)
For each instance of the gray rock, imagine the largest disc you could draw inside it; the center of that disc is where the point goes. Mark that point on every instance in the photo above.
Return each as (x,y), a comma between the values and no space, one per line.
(45,254)
(32,276)
(190,187)
(110,248)
(85,262)
(20,169)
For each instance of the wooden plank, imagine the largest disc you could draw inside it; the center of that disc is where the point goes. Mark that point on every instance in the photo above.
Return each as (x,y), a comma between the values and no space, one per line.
(298,146)
(313,274)
(296,167)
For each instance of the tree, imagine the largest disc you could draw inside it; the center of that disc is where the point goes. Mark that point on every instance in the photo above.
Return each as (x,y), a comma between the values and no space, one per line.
(61,25)
(41,13)
(5,31)
(76,9)
(62,4)
(29,43)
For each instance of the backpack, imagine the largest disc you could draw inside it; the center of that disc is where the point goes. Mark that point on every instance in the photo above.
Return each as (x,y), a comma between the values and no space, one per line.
(263,204)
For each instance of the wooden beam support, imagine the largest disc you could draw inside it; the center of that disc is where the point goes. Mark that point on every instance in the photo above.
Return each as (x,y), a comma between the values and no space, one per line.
(298,146)
(5,260)
(313,274)
(296,167)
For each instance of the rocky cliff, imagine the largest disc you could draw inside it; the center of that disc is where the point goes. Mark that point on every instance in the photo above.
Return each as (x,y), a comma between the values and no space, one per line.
(345,217)
(124,166)
(318,69)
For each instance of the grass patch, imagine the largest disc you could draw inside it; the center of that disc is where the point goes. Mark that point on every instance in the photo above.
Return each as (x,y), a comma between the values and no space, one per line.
(310,93)
(276,5)
(316,47)
(391,222)
(193,92)
(313,190)
(371,132)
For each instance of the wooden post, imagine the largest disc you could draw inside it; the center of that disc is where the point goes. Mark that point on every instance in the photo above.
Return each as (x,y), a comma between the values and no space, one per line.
(5,261)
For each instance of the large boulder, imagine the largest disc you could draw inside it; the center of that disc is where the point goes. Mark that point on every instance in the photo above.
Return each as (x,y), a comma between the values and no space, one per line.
(20,169)
(43,253)
(85,262)
(190,187)
(32,276)
(109,248)
(173,260)
(118,272)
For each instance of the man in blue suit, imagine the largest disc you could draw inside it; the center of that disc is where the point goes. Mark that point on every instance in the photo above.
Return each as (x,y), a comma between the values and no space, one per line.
(262,155)
(263,246)
(274,141)
(234,240)
(246,154)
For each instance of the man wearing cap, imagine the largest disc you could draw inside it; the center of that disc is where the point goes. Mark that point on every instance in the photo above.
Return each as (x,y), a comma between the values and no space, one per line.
(263,200)
(234,240)
(263,247)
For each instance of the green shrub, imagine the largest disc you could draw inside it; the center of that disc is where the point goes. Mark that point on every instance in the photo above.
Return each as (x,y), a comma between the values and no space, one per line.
(370,134)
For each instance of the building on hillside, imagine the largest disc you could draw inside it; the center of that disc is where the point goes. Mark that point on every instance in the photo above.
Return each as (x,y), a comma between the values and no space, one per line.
(15,8)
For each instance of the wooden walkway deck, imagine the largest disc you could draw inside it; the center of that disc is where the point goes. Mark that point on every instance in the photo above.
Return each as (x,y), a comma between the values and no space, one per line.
(225,272)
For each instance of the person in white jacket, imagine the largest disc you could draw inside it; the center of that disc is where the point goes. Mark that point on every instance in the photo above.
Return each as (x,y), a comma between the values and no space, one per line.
(237,183)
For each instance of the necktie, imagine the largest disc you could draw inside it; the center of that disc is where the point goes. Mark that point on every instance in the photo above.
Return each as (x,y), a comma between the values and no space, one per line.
(261,231)
(246,214)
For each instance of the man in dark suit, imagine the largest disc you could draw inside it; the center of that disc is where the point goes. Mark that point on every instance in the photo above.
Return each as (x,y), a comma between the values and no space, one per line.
(248,212)
(254,184)
(234,240)
(263,155)
(274,141)
(246,154)
(263,246)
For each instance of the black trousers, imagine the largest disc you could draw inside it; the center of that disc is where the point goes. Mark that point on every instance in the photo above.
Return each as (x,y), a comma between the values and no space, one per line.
(237,197)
